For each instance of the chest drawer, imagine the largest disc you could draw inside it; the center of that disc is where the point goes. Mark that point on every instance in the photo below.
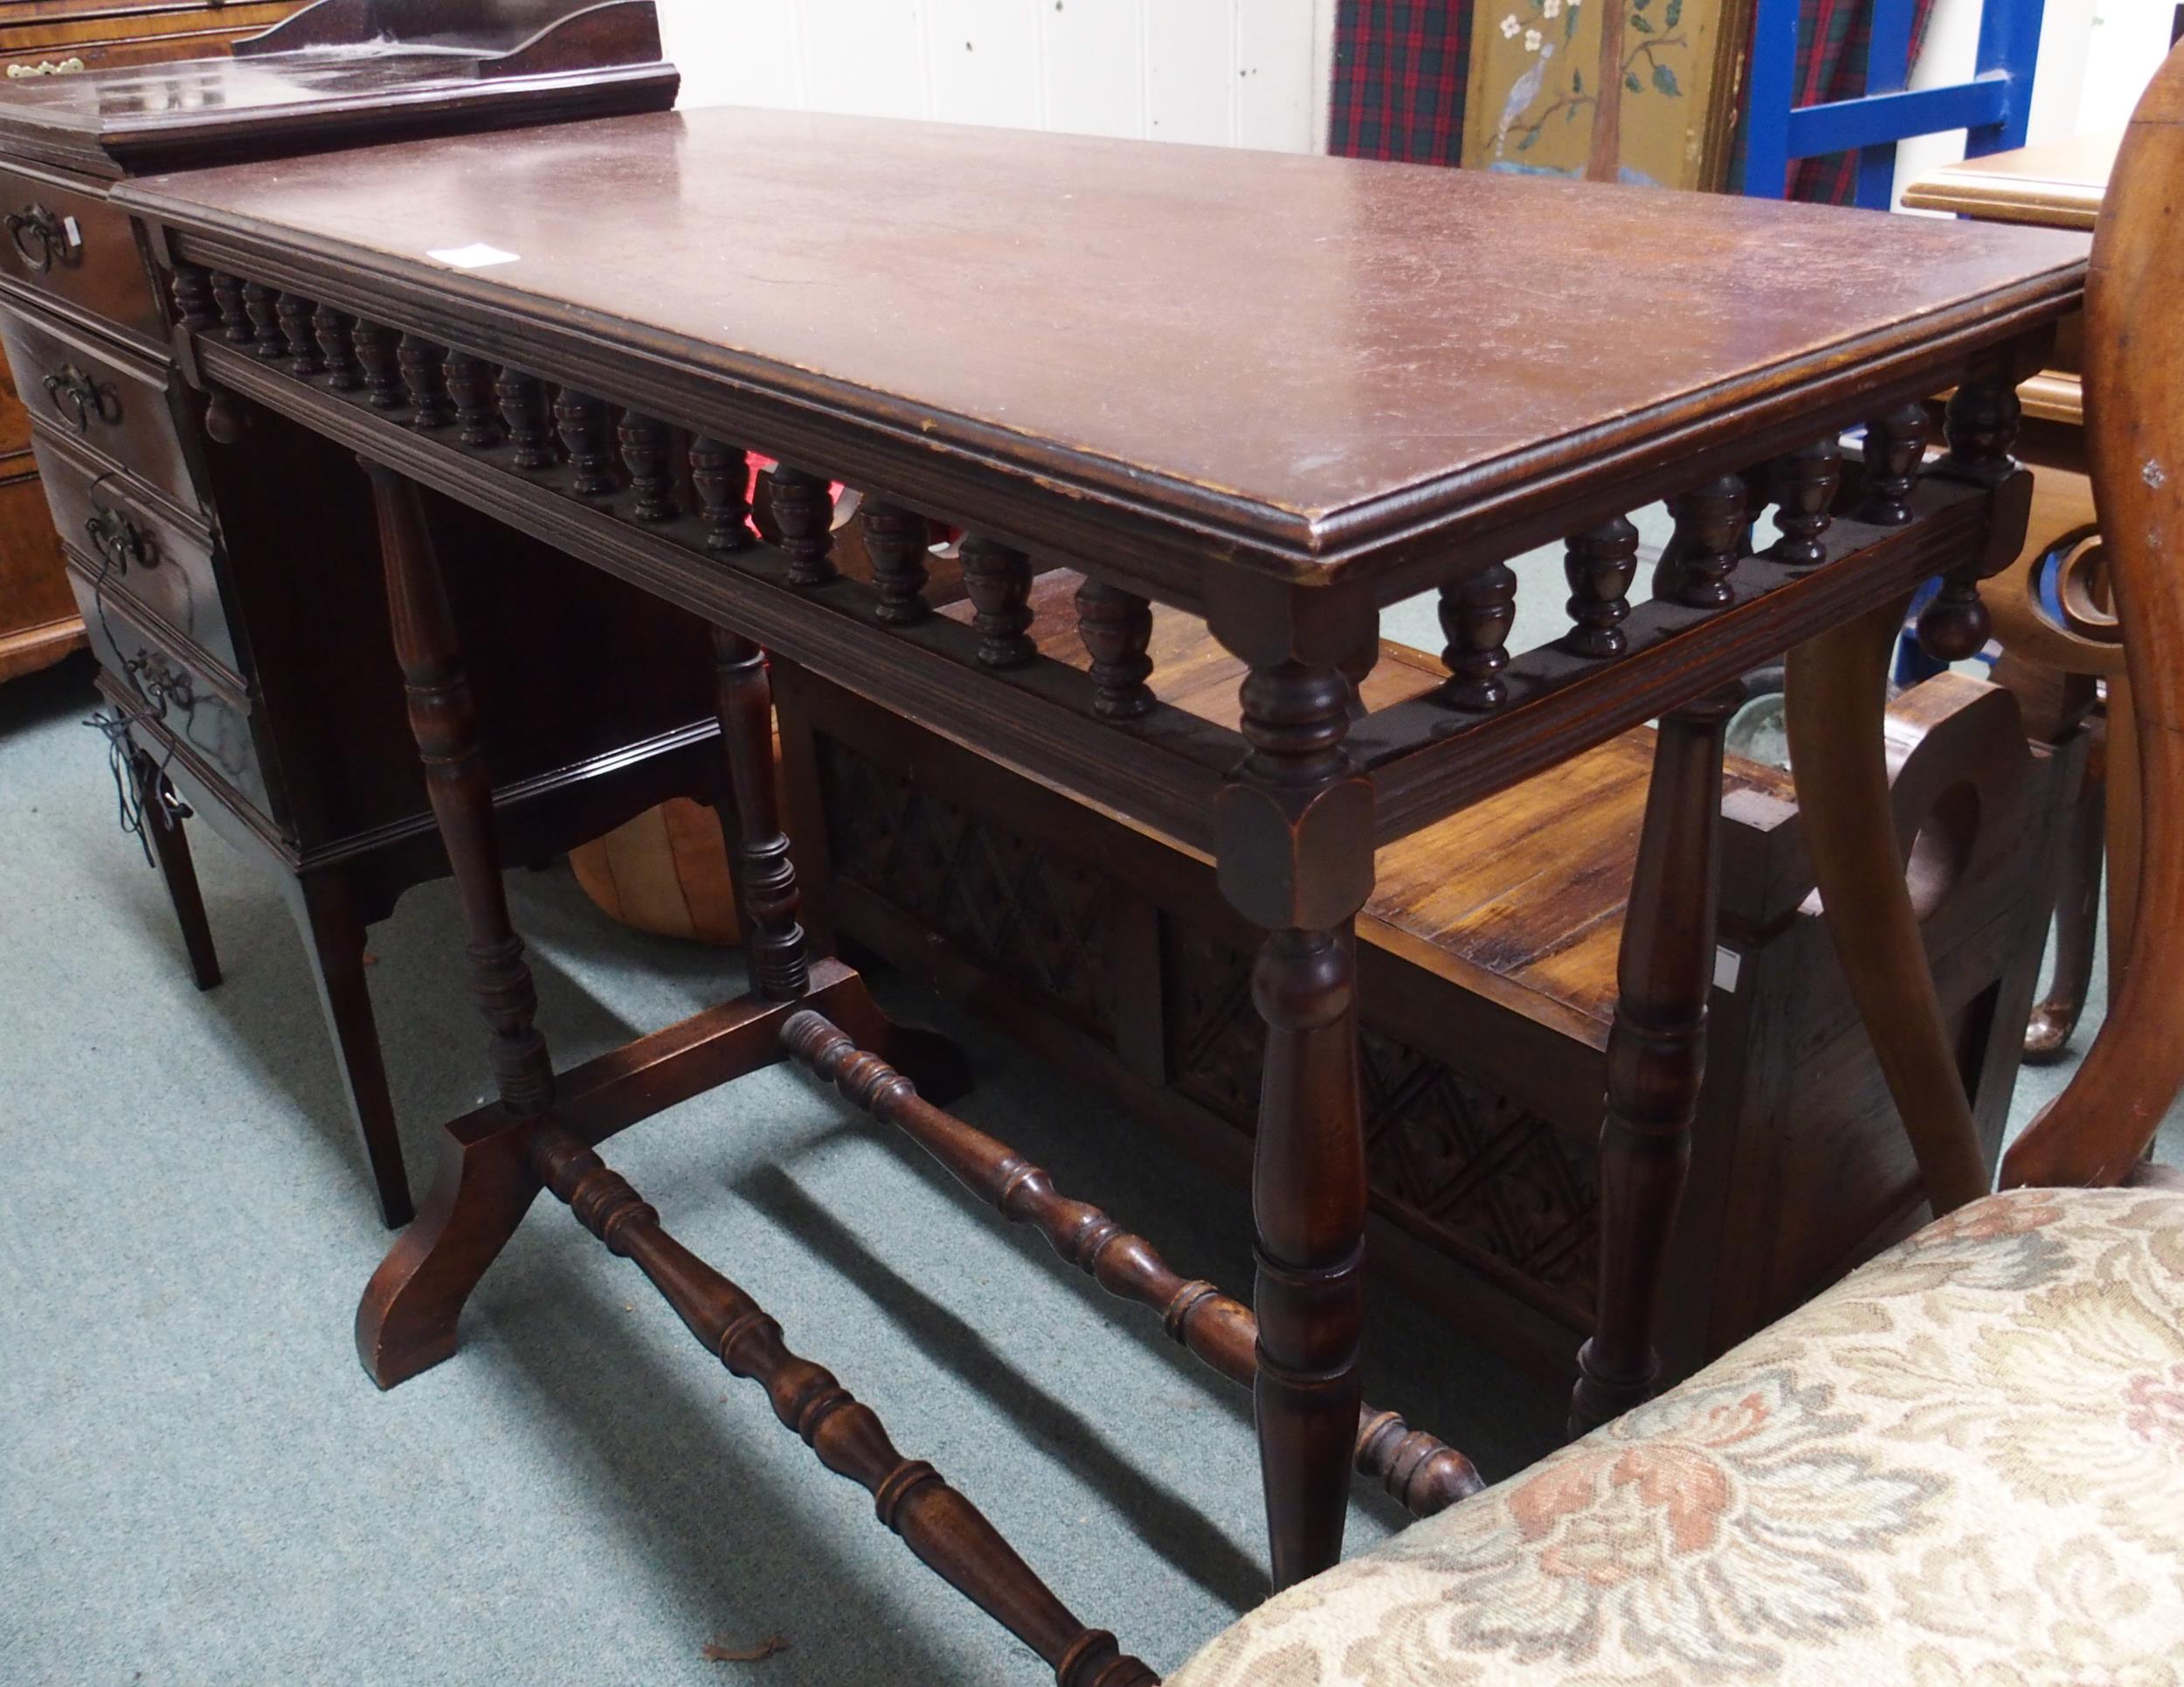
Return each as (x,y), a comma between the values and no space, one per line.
(206,714)
(69,245)
(123,408)
(138,549)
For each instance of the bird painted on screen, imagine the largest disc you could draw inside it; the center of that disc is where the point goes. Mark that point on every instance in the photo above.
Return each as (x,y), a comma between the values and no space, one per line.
(1522,95)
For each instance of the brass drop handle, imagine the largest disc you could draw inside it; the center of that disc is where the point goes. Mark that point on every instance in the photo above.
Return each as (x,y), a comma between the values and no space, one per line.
(124,544)
(80,400)
(160,683)
(43,237)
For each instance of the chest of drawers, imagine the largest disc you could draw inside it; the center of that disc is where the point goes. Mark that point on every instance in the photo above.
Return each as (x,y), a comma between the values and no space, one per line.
(40,38)
(231,591)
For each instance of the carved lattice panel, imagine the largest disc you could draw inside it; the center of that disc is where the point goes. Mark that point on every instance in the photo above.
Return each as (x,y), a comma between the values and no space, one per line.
(1483,1174)
(1036,918)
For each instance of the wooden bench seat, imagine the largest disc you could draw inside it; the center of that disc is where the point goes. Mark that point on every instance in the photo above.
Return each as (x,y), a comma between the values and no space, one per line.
(1487,967)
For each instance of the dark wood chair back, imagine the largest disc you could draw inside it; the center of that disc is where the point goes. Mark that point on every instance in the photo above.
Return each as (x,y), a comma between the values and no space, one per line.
(2098,1130)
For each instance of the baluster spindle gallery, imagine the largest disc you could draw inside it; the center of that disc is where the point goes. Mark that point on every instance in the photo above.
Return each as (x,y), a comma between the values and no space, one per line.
(470,384)
(264,306)
(378,352)
(1980,425)
(336,349)
(1895,451)
(999,579)
(523,410)
(1476,616)
(895,539)
(1710,533)
(582,422)
(1804,483)
(423,373)
(647,445)
(721,475)
(195,304)
(1116,626)
(1599,564)
(234,311)
(804,510)
(296,328)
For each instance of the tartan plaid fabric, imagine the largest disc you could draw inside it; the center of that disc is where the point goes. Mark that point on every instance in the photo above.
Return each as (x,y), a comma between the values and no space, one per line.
(1399,71)
(1832,39)
(1401,66)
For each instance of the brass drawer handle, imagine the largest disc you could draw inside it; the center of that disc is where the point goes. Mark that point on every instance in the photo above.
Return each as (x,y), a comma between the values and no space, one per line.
(80,400)
(124,544)
(160,683)
(66,67)
(44,238)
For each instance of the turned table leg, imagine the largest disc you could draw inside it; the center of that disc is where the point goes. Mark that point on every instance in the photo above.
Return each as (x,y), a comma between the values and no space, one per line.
(1834,699)
(1656,1054)
(1295,836)
(758,849)
(407,1320)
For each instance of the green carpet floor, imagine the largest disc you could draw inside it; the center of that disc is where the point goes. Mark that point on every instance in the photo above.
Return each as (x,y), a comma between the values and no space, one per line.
(197,1485)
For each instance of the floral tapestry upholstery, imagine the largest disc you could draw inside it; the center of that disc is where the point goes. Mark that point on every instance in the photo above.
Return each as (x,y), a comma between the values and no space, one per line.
(1961,1467)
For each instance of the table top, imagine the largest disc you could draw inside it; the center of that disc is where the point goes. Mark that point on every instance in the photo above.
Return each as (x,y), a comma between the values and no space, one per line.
(1306,351)
(2059,185)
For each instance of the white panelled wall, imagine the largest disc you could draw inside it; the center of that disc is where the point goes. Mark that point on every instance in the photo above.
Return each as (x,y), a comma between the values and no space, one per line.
(1232,73)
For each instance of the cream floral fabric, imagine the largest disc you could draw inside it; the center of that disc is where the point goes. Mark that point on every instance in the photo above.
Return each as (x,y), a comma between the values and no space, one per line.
(1963,1465)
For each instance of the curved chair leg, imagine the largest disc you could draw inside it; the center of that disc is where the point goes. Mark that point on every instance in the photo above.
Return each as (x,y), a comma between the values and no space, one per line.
(2055,1017)
(1835,697)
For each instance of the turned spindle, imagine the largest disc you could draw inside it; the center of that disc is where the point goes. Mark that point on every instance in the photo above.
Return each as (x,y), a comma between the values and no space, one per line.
(1423,1473)
(196,305)
(895,539)
(1294,827)
(302,339)
(997,579)
(263,305)
(227,291)
(1702,551)
(759,847)
(581,420)
(1656,1054)
(1116,626)
(444,720)
(646,447)
(523,412)
(1980,425)
(1476,614)
(337,350)
(424,367)
(721,476)
(377,353)
(1599,564)
(943,1528)
(470,385)
(1803,484)
(802,506)
(1895,451)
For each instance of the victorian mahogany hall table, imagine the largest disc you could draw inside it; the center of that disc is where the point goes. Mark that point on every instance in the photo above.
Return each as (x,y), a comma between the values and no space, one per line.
(1264,388)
